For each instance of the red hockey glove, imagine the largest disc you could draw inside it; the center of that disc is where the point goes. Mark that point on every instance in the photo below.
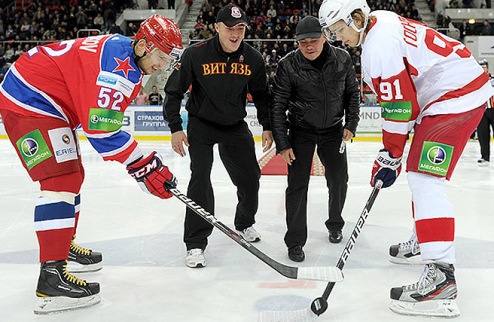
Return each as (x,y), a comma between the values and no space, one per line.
(386,168)
(151,175)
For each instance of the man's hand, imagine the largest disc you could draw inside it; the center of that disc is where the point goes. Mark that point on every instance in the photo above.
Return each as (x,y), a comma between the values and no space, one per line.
(179,139)
(288,156)
(267,140)
(347,135)
(386,168)
(151,175)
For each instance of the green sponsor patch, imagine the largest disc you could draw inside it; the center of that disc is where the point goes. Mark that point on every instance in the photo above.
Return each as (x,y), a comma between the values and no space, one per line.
(435,158)
(33,148)
(398,111)
(105,120)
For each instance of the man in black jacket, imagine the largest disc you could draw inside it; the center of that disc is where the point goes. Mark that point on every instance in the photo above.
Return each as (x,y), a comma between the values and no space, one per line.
(221,71)
(318,86)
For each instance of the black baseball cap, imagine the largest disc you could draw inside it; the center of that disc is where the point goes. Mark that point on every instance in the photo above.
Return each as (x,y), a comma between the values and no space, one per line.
(231,15)
(308,27)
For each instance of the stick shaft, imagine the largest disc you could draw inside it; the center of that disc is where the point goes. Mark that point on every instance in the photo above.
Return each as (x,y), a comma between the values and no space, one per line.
(328,273)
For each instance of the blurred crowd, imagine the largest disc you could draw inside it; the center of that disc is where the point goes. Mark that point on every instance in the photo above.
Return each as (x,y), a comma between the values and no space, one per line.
(22,28)
(271,30)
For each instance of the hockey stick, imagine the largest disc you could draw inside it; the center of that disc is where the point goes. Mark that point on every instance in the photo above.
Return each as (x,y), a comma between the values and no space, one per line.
(320,304)
(332,274)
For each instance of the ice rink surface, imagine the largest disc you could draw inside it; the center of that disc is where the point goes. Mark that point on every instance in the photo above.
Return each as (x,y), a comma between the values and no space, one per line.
(144,276)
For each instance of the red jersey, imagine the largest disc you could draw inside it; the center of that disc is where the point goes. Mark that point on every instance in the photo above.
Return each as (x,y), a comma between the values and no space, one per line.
(88,82)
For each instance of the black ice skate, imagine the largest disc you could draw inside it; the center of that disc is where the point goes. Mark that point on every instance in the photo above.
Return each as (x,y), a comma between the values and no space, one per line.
(83,260)
(59,291)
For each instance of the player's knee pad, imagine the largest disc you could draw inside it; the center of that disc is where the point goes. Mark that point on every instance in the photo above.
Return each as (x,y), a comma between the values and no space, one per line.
(70,182)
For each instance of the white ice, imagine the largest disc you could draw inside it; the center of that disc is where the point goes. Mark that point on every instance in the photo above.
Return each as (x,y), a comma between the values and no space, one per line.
(144,277)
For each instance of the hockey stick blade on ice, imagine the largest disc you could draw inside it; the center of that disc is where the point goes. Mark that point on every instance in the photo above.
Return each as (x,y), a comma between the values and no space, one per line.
(320,304)
(332,274)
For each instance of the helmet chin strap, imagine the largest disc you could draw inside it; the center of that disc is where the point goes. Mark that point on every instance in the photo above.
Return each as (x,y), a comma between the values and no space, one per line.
(136,57)
(360,31)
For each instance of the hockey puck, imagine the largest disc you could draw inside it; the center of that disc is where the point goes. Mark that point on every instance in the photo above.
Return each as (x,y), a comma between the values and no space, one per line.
(319,306)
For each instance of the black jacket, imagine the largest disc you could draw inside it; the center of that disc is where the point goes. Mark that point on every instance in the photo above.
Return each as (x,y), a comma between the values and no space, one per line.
(316,100)
(220,83)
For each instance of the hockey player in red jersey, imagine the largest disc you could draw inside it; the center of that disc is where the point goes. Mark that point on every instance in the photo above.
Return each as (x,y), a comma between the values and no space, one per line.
(47,94)
(431,84)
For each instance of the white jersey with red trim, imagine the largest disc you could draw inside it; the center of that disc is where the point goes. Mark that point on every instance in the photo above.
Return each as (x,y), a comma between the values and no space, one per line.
(415,72)
(87,82)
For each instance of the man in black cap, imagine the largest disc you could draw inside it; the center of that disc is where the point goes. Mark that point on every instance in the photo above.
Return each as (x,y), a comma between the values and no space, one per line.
(221,71)
(318,87)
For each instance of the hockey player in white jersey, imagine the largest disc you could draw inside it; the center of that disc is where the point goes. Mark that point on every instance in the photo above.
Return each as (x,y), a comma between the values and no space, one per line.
(431,84)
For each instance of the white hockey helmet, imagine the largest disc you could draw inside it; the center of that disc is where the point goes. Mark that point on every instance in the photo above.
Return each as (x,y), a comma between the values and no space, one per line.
(332,11)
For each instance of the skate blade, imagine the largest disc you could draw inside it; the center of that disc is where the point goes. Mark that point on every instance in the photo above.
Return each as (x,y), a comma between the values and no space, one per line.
(57,304)
(414,260)
(74,267)
(430,308)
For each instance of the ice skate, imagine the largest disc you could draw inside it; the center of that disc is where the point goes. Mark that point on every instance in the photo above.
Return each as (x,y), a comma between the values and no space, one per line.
(59,291)
(406,253)
(433,295)
(83,260)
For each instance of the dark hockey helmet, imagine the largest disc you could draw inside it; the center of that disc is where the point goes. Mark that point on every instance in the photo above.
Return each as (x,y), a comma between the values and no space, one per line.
(161,33)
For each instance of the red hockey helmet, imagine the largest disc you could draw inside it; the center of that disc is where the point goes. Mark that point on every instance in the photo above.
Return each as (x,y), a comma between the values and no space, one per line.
(161,33)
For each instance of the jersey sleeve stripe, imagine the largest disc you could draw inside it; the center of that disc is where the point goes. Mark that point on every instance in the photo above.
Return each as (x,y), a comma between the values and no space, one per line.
(398,127)
(120,146)
(112,144)
(29,97)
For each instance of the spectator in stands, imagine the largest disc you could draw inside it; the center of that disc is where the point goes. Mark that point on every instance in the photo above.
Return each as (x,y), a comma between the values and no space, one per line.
(98,21)
(205,33)
(152,4)
(285,49)
(141,98)
(3,70)
(486,28)
(109,16)
(171,4)
(271,12)
(131,29)
(465,29)
(154,97)
(9,52)
(81,18)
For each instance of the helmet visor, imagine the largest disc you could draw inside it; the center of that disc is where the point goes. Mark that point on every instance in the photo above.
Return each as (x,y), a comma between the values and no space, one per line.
(329,35)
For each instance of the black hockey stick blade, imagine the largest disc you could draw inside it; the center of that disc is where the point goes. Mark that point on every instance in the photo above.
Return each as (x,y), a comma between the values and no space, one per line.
(320,304)
(329,274)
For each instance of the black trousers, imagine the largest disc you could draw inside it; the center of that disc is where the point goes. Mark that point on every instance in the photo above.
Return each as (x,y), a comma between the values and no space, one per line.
(336,172)
(237,152)
(484,133)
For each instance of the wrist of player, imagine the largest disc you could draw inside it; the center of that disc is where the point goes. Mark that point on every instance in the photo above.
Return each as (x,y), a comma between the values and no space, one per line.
(386,168)
(152,176)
